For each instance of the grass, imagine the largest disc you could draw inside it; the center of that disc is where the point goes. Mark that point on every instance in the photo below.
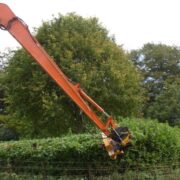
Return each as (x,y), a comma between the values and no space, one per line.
(151,174)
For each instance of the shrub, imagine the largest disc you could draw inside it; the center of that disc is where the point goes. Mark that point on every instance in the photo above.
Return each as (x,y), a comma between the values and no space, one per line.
(153,143)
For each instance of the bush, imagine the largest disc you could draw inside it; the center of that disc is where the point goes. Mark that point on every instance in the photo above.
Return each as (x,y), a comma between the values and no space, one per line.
(7,133)
(153,143)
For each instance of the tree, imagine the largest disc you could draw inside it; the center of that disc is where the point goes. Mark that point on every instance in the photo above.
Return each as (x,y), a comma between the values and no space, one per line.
(1,95)
(7,134)
(166,107)
(157,62)
(3,63)
(85,52)
(1,85)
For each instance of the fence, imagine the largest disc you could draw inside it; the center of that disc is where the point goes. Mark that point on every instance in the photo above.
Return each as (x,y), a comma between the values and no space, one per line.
(89,170)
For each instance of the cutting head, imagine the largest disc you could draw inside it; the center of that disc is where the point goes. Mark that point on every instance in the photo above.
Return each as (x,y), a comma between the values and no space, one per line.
(117,142)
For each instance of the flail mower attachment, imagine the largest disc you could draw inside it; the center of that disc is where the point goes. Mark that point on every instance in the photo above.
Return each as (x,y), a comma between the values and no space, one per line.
(117,142)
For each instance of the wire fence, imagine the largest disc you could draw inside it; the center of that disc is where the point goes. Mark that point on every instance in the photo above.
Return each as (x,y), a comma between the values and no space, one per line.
(89,170)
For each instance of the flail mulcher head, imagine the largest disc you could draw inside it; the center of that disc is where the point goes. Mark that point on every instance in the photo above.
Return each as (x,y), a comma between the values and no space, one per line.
(117,141)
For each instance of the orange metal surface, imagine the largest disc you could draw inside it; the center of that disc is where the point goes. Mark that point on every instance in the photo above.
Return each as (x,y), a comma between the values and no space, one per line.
(19,30)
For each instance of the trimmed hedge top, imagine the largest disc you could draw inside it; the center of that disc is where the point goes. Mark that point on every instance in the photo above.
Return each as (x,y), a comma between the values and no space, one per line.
(153,143)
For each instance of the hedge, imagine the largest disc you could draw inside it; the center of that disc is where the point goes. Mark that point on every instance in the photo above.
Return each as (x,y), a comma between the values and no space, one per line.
(153,143)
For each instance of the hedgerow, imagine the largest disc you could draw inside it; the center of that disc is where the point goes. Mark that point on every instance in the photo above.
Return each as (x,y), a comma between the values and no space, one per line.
(153,143)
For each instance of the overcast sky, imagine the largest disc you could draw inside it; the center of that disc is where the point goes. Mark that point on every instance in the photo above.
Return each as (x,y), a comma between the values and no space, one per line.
(133,22)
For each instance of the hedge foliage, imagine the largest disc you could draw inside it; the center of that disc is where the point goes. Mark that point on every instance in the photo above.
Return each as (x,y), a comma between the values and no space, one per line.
(153,143)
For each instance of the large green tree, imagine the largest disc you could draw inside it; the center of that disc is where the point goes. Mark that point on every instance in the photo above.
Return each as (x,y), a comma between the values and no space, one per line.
(4,57)
(166,107)
(87,54)
(1,94)
(2,64)
(157,62)
(160,65)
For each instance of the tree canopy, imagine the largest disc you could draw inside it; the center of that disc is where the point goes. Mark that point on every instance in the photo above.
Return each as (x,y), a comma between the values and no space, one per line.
(160,66)
(1,94)
(86,53)
(166,107)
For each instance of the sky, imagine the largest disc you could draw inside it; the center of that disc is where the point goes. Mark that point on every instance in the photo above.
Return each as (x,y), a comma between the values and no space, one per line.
(132,22)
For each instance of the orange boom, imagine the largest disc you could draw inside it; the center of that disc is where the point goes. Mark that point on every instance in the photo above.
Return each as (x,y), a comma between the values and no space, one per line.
(115,138)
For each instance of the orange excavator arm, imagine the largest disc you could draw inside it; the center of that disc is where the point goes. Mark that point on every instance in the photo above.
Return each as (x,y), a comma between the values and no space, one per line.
(19,30)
